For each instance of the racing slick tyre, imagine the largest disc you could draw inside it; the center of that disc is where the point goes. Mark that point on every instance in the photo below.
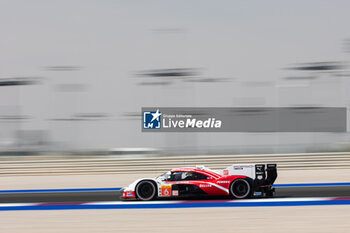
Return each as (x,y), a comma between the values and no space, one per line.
(145,190)
(240,188)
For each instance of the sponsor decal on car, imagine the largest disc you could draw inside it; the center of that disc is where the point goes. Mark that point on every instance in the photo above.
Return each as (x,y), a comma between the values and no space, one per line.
(175,192)
(204,185)
(128,194)
(223,181)
(226,172)
(183,182)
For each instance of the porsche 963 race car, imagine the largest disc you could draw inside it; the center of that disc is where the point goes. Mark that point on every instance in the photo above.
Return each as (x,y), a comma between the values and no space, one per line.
(237,181)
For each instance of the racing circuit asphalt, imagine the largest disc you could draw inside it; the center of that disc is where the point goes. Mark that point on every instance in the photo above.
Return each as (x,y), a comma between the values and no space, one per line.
(91,196)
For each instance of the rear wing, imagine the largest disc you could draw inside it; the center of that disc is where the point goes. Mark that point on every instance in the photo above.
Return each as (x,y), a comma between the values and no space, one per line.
(266,174)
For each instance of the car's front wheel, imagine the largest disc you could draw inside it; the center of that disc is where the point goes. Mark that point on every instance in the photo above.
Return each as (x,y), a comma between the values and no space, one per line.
(240,188)
(146,190)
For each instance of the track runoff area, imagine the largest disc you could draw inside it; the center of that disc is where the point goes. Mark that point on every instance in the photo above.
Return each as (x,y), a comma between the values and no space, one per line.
(109,198)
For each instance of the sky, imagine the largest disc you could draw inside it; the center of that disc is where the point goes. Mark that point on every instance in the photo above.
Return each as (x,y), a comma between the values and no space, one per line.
(248,44)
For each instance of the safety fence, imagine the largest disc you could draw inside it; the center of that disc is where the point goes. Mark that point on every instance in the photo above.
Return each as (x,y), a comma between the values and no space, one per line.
(105,164)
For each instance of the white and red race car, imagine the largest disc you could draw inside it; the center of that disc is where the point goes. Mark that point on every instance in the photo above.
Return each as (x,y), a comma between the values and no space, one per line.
(237,181)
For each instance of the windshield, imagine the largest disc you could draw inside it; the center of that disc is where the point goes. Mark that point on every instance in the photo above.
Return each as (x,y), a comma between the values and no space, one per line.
(164,176)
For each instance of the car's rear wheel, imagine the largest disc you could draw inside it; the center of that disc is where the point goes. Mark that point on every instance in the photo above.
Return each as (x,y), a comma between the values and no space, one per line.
(240,188)
(146,190)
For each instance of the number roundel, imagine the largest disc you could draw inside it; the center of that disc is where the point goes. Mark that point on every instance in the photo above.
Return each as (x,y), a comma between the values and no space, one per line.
(166,190)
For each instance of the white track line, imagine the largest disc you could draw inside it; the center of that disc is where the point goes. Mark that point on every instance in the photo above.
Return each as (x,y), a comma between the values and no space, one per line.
(176,202)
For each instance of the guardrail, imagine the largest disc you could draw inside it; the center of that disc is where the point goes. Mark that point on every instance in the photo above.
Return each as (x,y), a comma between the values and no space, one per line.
(158,163)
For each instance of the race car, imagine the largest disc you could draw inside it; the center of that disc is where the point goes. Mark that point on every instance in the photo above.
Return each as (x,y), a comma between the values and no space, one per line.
(236,181)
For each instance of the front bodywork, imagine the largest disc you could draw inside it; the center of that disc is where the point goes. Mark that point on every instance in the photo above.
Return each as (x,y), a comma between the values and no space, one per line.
(214,182)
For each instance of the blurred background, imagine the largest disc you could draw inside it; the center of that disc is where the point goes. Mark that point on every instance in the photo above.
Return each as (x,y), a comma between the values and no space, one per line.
(75,74)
